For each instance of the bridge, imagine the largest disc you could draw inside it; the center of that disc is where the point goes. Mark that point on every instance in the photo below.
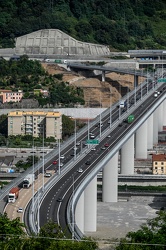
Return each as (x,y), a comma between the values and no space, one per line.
(106,69)
(80,188)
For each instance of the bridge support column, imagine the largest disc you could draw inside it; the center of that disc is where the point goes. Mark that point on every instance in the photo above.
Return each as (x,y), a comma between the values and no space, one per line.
(127,157)
(141,142)
(110,180)
(90,206)
(135,81)
(150,132)
(164,112)
(79,213)
(103,76)
(155,127)
(160,114)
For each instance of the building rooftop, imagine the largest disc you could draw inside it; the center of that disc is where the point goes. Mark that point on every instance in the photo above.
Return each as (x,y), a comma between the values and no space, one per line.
(159,157)
(35,113)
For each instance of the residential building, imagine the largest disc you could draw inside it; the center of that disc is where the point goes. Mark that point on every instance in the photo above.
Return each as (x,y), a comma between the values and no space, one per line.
(9,96)
(35,123)
(159,163)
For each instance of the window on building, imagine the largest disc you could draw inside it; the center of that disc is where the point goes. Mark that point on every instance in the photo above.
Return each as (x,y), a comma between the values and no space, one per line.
(162,163)
(155,162)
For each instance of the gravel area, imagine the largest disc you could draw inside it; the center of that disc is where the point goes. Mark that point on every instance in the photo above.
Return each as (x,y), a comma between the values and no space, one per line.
(115,220)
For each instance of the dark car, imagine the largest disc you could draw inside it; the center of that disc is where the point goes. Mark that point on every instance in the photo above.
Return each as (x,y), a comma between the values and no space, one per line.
(60,199)
(87,162)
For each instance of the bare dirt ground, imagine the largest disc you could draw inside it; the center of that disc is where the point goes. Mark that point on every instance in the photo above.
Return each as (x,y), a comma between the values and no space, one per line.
(96,92)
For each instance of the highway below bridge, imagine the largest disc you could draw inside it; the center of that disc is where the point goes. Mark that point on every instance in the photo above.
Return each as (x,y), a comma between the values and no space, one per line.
(58,200)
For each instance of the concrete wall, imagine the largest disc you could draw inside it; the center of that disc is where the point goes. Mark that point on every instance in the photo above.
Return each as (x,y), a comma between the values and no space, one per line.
(56,42)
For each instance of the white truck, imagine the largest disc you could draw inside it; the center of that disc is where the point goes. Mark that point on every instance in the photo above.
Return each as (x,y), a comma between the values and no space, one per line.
(28,180)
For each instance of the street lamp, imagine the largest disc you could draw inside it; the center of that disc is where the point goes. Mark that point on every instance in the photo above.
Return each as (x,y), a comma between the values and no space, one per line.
(43,161)
(59,147)
(100,115)
(33,188)
(73,222)
(75,140)
(110,106)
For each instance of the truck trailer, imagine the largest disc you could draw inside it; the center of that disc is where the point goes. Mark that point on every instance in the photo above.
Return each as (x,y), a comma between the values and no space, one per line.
(13,194)
(28,180)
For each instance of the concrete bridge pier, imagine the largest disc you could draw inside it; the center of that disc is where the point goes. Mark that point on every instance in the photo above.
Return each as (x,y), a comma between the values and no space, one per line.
(155,127)
(141,142)
(79,213)
(135,81)
(164,112)
(150,132)
(110,180)
(160,115)
(103,76)
(90,206)
(127,157)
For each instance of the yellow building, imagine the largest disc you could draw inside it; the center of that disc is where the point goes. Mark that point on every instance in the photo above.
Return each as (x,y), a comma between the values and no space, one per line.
(35,123)
(159,163)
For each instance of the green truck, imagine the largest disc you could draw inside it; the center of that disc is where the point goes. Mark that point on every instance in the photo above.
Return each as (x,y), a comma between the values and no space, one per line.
(130,118)
(58,61)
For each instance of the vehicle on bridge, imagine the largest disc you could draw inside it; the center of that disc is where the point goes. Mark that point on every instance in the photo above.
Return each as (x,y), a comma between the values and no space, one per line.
(13,194)
(130,118)
(28,180)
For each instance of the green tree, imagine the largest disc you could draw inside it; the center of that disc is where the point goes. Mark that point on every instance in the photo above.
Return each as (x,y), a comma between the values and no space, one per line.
(11,231)
(68,126)
(152,235)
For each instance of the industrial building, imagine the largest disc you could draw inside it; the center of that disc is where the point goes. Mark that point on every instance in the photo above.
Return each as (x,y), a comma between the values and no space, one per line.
(35,123)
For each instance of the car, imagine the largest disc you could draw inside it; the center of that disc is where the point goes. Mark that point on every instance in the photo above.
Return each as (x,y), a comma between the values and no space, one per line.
(93,149)
(120,124)
(87,162)
(80,170)
(78,143)
(20,210)
(54,162)
(48,175)
(60,199)
(61,164)
(155,95)
(62,157)
(92,136)
(102,148)
(108,136)
(106,145)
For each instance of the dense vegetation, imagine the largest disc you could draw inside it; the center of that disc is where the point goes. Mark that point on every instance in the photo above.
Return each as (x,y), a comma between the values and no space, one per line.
(122,24)
(51,237)
(28,75)
(151,236)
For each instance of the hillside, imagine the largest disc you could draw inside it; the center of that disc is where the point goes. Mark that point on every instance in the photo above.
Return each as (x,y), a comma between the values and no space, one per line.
(122,25)
(94,90)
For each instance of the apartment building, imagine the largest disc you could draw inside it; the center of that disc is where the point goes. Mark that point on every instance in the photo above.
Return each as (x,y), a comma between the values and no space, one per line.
(9,96)
(159,164)
(35,123)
